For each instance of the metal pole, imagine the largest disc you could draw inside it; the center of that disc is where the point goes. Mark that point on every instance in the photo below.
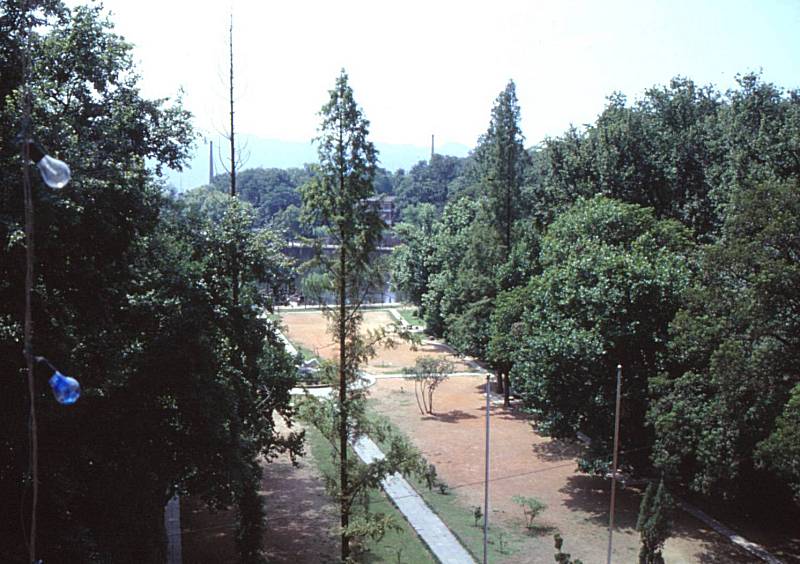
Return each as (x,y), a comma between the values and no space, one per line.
(614,465)
(486,483)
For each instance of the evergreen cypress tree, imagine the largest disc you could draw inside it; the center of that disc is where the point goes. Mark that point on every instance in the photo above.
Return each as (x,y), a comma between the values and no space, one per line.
(337,200)
(654,523)
(502,158)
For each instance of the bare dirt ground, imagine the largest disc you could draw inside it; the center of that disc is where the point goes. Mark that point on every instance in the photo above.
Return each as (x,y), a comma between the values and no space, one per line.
(524,463)
(309,329)
(299,516)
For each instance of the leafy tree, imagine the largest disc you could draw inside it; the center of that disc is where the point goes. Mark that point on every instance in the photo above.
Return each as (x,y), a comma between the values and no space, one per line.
(336,199)
(126,301)
(428,374)
(206,201)
(422,216)
(781,450)
(506,330)
(409,260)
(463,271)
(612,278)
(523,262)
(428,182)
(735,348)
(289,221)
(682,149)
(654,523)
(531,507)
(502,160)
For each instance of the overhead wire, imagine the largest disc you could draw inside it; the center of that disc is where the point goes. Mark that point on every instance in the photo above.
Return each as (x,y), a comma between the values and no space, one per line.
(29,274)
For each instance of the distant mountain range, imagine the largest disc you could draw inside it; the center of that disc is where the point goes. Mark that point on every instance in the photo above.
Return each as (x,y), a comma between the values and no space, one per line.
(273,153)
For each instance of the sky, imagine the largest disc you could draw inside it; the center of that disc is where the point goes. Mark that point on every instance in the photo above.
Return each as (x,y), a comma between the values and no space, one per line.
(435,67)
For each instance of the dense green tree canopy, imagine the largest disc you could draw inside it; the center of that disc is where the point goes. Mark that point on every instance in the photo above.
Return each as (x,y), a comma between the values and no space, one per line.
(428,182)
(612,278)
(681,150)
(735,348)
(132,297)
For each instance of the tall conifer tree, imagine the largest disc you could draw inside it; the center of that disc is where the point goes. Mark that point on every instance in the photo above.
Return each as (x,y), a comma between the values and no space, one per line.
(502,158)
(338,200)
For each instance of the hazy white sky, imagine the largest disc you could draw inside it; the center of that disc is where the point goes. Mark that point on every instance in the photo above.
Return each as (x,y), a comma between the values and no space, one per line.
(422,67)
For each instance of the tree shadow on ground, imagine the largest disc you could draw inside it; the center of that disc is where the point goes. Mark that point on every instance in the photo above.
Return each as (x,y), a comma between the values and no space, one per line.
(434,348)
(540,530)
(452,416)
(592,495)
(298,516)
(514,412)
(207,536)
(556,450)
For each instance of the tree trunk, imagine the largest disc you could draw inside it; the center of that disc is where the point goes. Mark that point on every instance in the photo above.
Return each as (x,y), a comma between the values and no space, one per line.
(500,387)
(506,389)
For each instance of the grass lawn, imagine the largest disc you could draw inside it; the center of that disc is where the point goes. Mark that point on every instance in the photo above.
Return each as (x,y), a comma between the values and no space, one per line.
(409,314)
(396,546)
(458,516)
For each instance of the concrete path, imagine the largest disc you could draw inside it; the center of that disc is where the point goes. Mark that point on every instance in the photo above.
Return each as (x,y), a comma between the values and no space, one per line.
(396,375)
(396,314)
(755,549)
(286,343)
(426,523)
(365,381)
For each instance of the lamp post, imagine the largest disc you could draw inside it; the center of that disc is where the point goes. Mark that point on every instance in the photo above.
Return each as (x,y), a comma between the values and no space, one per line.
(486,481)
(614,464)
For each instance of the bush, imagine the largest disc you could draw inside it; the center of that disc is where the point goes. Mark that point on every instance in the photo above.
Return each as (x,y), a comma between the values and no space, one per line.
(531,507)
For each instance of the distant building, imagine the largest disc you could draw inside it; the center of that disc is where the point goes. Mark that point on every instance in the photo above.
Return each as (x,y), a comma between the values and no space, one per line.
(384,205)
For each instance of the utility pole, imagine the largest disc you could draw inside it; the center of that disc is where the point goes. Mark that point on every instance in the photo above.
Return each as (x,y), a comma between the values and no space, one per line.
(211,162)
(614,464)
(432,146)
(486,482)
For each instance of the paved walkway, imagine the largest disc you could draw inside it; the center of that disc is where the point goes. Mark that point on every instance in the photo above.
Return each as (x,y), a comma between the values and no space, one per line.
(755,549)
(426,523)
(286,343)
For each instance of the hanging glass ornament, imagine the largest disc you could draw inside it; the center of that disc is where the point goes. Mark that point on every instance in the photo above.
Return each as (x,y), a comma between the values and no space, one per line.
(66,390)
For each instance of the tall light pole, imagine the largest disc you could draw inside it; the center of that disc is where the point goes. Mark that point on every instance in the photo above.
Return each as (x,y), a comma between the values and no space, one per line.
(614,464)
(486,482)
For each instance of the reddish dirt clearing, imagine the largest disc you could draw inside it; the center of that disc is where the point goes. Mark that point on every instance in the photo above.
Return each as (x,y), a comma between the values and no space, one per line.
(310,329)
(524,463)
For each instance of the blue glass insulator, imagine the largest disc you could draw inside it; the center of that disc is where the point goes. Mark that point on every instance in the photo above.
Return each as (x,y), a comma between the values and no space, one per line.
(66,390)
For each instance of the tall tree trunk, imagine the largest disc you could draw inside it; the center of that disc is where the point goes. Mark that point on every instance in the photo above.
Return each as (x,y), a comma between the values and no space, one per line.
(509,215)
(232,136)
(234,262)
(506,389)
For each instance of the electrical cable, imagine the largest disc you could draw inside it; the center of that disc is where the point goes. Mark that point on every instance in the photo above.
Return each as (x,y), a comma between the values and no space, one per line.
(30,536)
